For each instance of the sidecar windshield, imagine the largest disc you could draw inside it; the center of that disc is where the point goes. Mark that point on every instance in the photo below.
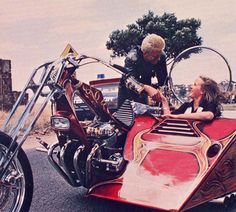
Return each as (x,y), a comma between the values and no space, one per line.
(194,62)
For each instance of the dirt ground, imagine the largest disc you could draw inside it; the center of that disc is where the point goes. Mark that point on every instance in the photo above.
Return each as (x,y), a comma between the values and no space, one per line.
(31,142)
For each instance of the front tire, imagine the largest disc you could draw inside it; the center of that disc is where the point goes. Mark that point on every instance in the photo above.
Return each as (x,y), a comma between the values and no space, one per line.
(16,185)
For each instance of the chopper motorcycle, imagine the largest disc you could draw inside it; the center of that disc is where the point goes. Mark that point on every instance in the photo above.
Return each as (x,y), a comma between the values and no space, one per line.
(129,156)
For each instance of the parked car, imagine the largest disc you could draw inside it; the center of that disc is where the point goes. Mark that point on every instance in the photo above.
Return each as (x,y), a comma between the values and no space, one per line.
(109,89)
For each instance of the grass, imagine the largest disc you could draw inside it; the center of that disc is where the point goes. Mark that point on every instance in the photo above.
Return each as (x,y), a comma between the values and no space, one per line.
(42,125)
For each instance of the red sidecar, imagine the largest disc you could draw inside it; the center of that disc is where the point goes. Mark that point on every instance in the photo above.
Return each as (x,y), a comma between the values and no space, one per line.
(175,165)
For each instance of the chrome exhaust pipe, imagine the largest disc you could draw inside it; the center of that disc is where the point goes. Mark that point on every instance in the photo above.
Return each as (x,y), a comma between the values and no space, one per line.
(88,164)
(75,163)
(56,165)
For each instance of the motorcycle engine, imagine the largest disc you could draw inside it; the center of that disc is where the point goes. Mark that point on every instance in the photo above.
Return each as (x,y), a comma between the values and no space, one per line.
(100,129)
(108,159)
(103,133)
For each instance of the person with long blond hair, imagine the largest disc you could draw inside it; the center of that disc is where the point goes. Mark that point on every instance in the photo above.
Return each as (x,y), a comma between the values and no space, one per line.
(205,105)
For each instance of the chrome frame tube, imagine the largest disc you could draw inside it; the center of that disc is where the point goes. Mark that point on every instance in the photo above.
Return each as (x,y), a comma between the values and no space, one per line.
(20,98)
(19,123)
(18,102)
(88,164)
(55,164)
(102,62)
(46,72)
(23,137)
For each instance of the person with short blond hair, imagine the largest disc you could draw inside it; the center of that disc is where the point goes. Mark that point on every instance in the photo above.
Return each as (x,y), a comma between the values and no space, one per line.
(152,42)
(144,63)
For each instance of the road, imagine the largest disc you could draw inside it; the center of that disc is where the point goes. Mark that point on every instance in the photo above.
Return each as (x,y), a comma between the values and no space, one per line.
(53,194)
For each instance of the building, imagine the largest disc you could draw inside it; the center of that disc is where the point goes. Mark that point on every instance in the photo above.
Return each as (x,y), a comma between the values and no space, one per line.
(7,96)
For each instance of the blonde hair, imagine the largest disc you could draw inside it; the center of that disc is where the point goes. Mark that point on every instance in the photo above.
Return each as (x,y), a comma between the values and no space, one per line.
(211,92)
(152,42)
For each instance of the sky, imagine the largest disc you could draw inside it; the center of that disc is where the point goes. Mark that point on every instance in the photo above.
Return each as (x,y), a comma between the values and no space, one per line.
(33,32)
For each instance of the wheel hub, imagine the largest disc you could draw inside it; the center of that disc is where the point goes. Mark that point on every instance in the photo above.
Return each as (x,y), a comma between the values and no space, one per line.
(7,184)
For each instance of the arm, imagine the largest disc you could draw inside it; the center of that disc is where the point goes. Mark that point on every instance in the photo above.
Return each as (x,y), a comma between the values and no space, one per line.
(129,84)
(152,92)
(156,95)
(165,104)
(129,70)
(205,115)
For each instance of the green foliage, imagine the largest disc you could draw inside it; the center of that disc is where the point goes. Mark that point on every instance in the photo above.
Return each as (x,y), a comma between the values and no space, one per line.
(178,34)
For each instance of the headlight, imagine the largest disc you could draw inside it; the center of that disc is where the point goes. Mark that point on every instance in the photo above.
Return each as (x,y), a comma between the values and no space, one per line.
(60,123)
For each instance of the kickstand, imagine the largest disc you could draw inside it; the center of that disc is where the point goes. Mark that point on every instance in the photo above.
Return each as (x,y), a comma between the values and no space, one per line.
(44,144)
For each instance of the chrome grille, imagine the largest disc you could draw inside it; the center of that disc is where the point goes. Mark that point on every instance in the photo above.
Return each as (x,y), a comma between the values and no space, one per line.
(175,127)
(125,114)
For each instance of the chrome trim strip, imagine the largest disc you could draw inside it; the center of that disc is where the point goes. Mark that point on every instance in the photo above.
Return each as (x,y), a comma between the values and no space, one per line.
(177,132)
(176,128)
(176,124)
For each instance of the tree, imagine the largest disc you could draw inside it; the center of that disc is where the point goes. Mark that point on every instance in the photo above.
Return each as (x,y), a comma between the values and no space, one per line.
(178,34)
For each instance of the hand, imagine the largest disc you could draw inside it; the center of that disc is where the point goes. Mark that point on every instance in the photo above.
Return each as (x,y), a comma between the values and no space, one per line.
(154,93)
(169,115)
(132,84)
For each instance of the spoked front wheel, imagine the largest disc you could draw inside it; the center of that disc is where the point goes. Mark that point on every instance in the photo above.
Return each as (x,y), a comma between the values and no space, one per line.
(16,185)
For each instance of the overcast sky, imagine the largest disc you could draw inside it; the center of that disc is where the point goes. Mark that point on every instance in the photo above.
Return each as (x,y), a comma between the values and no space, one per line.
(33,32)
